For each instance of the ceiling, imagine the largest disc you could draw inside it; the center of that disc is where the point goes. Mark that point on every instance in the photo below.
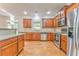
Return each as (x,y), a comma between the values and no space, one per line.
(17,9)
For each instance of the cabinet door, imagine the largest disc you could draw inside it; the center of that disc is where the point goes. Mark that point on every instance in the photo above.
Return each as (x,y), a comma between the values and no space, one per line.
(20,42)
(0,48)
(56,23)
(36,36)
(29,36)
(48,23)
(27,23)
(44,23)
(63,43)
(9,50)
(53,23)
(0,51)
(51,36)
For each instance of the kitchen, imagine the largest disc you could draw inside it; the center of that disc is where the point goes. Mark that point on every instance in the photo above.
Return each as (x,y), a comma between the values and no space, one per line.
(47,26)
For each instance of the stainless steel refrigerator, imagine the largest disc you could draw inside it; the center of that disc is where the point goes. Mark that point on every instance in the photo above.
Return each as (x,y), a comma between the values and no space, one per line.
(73,32)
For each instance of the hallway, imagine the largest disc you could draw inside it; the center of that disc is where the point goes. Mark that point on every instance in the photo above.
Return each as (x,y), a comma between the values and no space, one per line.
(41,48)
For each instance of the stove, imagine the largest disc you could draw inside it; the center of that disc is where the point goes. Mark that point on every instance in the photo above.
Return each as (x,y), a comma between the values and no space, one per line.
(57,40)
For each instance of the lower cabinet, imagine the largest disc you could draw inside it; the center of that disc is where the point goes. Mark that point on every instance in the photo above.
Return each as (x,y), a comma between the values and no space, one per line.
(36,36)
(32,36)
(20,43)
(50,36)
(12,46)
(0,48)
(10,49)
(28,36)
(63,43)
(0,51)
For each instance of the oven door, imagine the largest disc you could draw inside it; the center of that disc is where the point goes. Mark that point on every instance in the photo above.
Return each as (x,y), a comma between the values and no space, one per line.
(57,40)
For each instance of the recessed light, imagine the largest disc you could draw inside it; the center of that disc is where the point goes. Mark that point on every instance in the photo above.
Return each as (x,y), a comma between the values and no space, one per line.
(25,13)
(48,12)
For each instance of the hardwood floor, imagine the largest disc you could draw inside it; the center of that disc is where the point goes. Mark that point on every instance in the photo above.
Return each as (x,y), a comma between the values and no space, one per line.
(41,48)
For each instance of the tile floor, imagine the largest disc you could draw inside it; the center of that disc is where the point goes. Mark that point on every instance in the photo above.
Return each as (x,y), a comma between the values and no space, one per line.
(41,48)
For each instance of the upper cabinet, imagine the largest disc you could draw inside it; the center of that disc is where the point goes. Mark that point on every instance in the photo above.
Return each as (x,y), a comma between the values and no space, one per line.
(60,19)
(27,23)
(47,23)
(55,22)
(71,7)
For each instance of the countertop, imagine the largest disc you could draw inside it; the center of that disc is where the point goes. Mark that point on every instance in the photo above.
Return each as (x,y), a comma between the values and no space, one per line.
(4,37)
(64,34)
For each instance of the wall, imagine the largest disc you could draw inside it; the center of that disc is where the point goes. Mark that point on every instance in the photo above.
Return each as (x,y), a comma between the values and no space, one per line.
(7,31)
(3,21)
(21,29)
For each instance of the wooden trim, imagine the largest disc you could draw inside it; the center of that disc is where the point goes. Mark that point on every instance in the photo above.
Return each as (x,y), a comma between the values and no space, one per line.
(8,45)
(60,45)
(72,7)
(27,25)
(47,19)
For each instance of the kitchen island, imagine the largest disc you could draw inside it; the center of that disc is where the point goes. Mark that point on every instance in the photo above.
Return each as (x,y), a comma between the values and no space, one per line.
(11,44)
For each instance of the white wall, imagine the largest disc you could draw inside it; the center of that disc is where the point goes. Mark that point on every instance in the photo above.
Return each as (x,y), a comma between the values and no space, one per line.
(3,21)
(7,31)
(21,29)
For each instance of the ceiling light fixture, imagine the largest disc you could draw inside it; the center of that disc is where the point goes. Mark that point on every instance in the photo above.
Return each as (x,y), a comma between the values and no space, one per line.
(25,13)
(48,12)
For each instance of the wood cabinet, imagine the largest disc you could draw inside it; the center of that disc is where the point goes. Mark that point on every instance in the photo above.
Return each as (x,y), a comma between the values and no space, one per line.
(0,48)
(53,23)
(36,36)
(0,51)
(50,36)
(44,24)
(71,7)
(56,23)
(63,43)
(47,23)
(28,36)
(20,42)
(27,23)
(9,48)
(32,36)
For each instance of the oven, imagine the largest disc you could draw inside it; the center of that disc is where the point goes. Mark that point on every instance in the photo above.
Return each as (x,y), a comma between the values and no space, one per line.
(57,39)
